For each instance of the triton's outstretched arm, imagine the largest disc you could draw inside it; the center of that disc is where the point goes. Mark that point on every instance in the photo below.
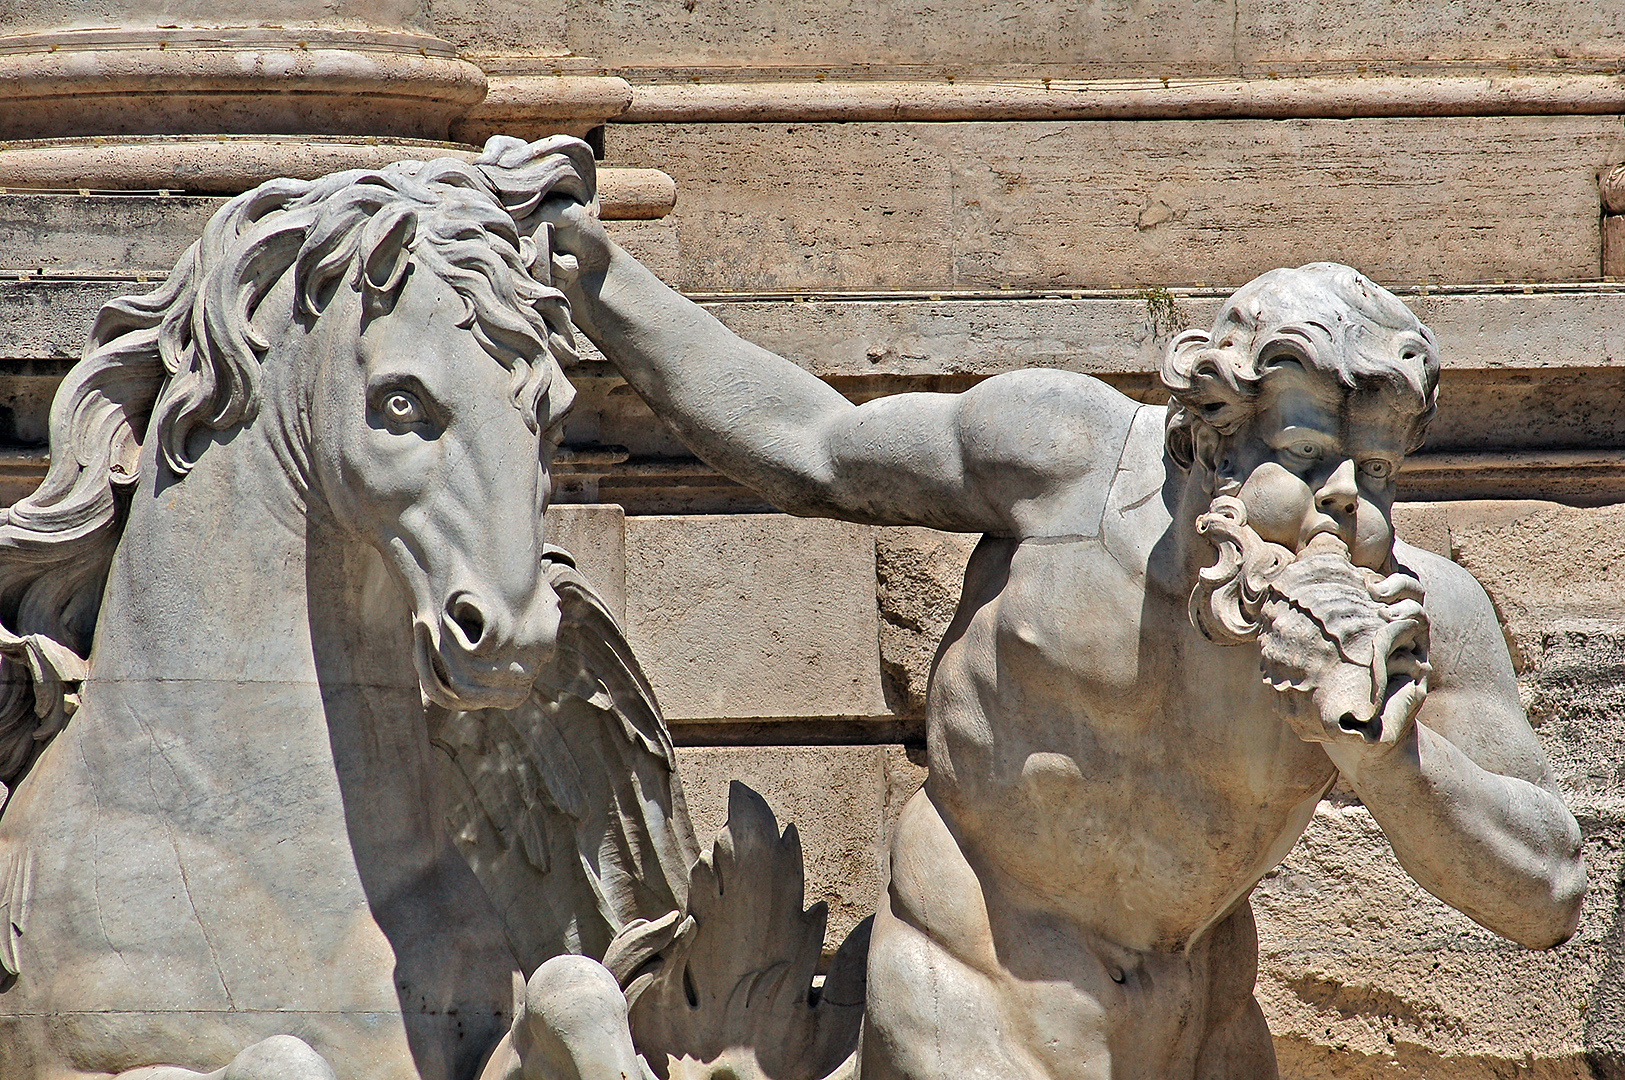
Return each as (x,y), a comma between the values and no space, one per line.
(999,458)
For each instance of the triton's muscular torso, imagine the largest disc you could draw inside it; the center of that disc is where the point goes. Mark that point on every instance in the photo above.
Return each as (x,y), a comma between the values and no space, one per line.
(1091,748)
(1106,786)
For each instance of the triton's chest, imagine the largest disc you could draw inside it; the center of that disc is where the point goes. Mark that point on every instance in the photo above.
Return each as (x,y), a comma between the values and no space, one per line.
(1065,649)
(1070,613)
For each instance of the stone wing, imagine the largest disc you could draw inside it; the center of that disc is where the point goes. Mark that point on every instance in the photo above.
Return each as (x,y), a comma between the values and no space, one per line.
(569,808)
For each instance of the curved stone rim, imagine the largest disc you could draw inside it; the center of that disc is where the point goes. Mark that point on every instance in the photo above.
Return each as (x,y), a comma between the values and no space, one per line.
(258,81)
(230,164)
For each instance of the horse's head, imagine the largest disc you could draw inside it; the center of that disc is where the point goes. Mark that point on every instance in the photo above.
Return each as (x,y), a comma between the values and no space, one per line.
(424,445)
(433,394)
(393,333)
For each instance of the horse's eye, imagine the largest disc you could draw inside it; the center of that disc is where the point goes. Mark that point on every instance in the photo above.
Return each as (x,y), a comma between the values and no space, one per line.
(1377,469)
(401,408)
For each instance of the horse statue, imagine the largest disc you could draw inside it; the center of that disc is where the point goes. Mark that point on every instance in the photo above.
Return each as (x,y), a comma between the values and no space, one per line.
(280,611)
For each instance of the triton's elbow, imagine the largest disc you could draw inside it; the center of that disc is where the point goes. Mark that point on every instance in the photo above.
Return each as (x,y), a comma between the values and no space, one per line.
(1568,894)
(1559,914)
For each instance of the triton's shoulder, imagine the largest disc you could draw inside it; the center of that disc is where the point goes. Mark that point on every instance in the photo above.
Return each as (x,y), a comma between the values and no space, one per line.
(1453,596)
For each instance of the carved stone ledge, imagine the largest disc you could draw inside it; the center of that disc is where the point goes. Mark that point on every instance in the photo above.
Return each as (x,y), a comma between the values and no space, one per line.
(1531,373)
(155,80)
(815,100)
(536,105)
(229,164)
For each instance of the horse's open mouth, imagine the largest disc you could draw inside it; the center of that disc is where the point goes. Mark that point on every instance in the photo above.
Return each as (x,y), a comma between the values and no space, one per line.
(504,687)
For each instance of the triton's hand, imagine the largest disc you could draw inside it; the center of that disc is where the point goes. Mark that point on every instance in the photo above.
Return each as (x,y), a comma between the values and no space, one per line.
(581,253)
(579,236)
(1398,587)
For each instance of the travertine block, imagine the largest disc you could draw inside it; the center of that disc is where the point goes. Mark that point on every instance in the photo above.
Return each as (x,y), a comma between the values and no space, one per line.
(1123,37)
(1542,564)
(106,234)
(595,536)
(1284,32)
(754,615)
(920,574)
(1492,328)
(142,234)
(843,801)
(1047,205)
(1613,245)
(1364,976)
(1488,328)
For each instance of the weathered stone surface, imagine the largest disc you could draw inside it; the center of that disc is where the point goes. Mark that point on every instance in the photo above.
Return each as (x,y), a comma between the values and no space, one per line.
(46,14)
(843,801)
(1125,37)
(141,234)
(1482,328)
(1056,205)
(1363,975)
(754,616)
(1544,566)
(908,336)
(920,572)
(99,234)
(1280,32)
(595,537)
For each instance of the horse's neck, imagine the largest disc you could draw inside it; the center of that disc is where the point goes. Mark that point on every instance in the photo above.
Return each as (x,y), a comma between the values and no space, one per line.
(228,610)
(208,582)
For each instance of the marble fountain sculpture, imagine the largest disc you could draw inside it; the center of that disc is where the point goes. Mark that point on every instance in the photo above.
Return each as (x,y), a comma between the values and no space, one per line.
(319,762)
(1182,625)
(311,750)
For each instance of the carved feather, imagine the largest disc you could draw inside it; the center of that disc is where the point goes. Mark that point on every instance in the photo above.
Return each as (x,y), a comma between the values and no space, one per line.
(16,888)
(731,994)
(569,808)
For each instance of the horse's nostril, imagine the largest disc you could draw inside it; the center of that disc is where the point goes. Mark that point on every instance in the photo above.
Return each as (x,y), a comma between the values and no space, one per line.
(468,620)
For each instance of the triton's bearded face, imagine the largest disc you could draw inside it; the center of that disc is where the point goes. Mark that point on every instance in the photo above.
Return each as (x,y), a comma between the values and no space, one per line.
(1300,516)
(1345,646)
(1317,457)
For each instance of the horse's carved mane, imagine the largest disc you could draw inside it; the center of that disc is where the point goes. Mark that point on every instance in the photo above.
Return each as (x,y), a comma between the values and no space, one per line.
(185,357)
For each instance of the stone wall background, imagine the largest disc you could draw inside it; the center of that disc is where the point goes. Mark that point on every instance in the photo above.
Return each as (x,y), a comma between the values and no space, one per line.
(915,197)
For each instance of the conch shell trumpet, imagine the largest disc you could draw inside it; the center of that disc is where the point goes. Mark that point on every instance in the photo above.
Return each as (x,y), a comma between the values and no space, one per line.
(1345,659)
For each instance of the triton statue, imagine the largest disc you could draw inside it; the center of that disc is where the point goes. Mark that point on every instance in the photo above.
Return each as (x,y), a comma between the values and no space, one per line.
(1181,626)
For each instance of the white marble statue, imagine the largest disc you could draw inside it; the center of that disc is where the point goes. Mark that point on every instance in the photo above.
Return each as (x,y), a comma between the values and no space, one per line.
(280,611)
(1182,625)
(315,761)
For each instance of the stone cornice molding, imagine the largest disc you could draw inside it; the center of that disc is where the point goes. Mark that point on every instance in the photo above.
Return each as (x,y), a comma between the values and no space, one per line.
(156,80)
(1309,97)
(228,164)
(529,107)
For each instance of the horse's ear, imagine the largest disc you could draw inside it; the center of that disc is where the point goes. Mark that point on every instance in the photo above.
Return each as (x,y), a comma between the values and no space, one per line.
(386,253)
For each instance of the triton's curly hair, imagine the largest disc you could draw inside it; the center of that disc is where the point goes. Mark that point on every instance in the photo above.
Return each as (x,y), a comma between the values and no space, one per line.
(1325,317)
(185,357)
